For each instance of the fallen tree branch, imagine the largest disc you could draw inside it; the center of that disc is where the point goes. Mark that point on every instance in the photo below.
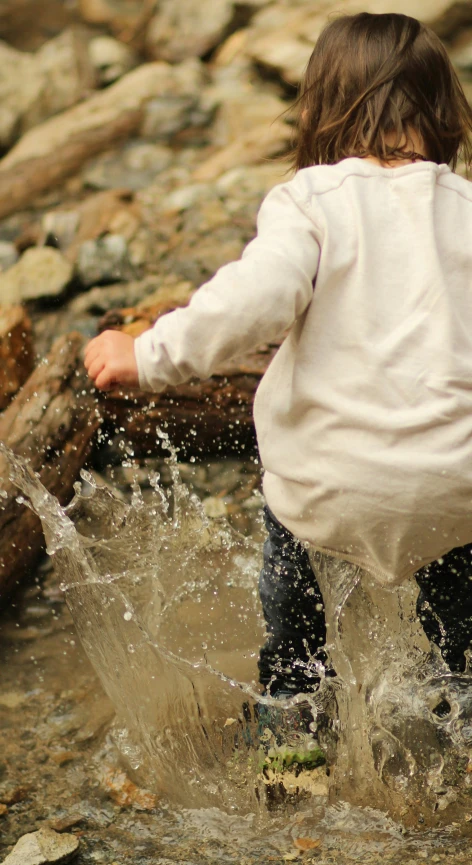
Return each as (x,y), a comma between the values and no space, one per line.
(52,422)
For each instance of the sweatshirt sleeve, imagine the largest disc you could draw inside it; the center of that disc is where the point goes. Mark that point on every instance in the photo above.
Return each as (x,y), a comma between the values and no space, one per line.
(246,303)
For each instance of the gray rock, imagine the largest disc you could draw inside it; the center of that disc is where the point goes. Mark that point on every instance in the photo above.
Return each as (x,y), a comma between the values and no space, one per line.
(40,272)
(43,84)
(43,847)
(182,105)
(62,225)
(187,29)
(104,260)
(99,300)
(134,167)
(8,255)
(110,59)
(167,115)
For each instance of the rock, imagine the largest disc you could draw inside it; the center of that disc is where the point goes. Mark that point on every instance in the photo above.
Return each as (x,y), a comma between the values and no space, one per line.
(125,793)
(214,507)
(192,29)
(281,37)
(54,79)
(187,29)
(167,116)
(61,824)
(61,145)
(134,167)
(40,272)
(68,73)
(16,352)
(259,143)
(103,260)
(242,109)
(27,24)
(18,93)
(184,106)
(98,301)
(126,19)
(43,847)
(61,226)
(8,255)
(11,793)
(110,59)
(185,197)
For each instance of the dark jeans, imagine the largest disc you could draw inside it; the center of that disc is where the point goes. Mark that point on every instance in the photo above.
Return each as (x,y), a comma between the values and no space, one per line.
(294,613)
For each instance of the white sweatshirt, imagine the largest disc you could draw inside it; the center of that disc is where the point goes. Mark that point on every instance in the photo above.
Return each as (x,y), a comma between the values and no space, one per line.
(364,417)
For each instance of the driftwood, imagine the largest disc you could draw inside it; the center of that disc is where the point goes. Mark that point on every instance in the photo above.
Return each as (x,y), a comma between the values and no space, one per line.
(16,351)
(202,418)
(52,151)
(52,422)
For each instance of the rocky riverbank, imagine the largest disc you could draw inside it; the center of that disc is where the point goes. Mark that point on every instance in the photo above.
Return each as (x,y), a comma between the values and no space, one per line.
(139,138)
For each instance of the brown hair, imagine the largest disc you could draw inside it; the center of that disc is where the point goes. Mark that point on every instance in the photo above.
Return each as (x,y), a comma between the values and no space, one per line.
(372,80)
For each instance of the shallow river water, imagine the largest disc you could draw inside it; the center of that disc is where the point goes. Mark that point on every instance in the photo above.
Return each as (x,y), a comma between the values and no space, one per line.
(133,790)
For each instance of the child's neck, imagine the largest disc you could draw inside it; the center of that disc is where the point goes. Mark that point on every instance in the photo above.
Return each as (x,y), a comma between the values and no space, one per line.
(411,144)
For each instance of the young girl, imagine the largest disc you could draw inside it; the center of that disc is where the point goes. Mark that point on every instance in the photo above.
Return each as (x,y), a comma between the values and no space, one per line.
(364,418)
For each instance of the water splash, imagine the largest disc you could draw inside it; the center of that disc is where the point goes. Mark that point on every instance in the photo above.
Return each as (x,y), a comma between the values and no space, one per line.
(404,721)
(126,568)
(160,595)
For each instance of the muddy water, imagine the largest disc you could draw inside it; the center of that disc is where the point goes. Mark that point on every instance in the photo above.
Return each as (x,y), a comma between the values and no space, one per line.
(59,763)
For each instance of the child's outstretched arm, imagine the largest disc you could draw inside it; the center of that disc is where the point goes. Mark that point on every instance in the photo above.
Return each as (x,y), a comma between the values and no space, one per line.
(248,302)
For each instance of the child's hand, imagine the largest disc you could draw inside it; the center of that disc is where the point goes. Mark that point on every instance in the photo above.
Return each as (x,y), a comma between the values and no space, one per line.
(110,359)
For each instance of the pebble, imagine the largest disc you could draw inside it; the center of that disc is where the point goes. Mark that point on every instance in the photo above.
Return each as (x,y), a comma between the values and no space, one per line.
(8,255)
(103,260)
(110,59)
(134,167)
(42,847)
(41,272)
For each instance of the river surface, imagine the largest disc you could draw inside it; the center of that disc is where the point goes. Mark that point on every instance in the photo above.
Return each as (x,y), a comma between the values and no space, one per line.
(61,749)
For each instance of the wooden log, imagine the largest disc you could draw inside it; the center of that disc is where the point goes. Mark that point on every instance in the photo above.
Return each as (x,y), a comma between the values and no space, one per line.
(58,147)
(16,351)
(202,418)
(52,422)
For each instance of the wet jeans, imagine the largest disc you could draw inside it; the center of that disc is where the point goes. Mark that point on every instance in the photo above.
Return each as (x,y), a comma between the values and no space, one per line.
(294,613)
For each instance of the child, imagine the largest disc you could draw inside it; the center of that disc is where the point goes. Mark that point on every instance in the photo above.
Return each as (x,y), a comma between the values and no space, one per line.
(364,418)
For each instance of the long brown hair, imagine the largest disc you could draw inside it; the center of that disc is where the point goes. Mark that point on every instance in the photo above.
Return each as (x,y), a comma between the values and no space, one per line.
(372,80)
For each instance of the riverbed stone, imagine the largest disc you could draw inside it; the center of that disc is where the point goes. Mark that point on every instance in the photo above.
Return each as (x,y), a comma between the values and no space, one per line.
(281,36)
(8,254)
(183,105)
(45,83)
(110,58)
(132,167)
(103,260)
(43,847)
(187,29)
(40,272)
(61,226)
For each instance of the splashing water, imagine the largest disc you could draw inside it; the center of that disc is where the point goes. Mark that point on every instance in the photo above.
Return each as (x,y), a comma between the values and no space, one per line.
(125,569)
(404,721)
(138,578)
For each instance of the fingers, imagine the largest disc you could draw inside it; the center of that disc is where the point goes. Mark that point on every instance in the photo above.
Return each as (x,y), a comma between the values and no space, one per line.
(104,379)
(95,367)
(92,353)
